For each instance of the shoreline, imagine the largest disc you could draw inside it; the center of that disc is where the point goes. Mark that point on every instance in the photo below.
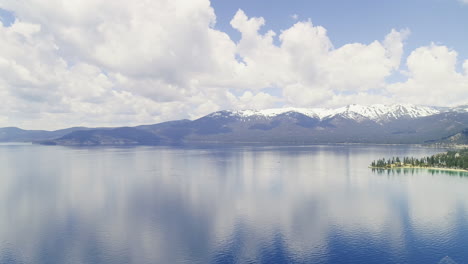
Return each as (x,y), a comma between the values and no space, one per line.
(266,143)
(419,167)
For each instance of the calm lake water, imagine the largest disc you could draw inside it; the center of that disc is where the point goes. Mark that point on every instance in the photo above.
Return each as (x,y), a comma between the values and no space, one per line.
(314,204)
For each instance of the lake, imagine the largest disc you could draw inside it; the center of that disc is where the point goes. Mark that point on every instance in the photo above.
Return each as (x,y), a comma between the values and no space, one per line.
(227,204)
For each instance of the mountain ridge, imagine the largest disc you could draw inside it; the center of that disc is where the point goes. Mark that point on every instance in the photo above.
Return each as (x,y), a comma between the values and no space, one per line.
(386,124)
(376,112)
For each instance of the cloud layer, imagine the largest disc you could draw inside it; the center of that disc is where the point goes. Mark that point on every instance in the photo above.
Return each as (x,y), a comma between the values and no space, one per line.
(67,63)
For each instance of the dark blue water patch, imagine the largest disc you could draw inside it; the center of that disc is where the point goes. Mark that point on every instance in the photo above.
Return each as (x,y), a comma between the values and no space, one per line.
(230,251)
(276,251)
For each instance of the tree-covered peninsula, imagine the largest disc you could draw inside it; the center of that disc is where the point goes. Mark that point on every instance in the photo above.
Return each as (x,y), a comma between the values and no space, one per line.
(454,159)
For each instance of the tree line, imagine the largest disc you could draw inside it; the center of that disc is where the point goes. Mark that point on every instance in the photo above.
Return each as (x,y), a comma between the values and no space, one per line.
(455,159)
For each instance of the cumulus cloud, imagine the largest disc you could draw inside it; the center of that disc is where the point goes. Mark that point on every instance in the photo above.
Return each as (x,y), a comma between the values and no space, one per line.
(110,64)
(88,62)
(433,78)
(308,67)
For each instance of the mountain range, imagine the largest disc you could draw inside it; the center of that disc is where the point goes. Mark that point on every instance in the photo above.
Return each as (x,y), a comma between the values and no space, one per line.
(381,124)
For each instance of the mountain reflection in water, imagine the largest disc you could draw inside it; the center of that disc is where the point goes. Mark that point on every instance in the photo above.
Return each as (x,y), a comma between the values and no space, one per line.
(314,204)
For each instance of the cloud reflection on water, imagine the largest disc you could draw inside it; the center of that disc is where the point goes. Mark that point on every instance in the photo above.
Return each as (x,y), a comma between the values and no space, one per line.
(319,204)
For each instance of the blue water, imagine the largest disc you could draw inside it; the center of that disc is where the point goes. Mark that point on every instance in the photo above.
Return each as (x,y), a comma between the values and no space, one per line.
(314,204)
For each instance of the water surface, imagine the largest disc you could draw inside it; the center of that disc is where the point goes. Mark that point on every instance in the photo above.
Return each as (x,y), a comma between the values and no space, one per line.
(313,204)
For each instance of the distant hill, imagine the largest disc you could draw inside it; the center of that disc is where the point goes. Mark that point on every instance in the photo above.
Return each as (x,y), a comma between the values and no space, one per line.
(115,136)
(393,124)
(14,134)
(459,138)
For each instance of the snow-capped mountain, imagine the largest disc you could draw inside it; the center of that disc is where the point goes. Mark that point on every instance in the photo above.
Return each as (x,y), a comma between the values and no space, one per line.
(389,124)
(460,109)
(377,112)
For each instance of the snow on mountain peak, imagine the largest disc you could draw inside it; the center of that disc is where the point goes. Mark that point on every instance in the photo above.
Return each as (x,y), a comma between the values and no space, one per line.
(380,112)
(376,112)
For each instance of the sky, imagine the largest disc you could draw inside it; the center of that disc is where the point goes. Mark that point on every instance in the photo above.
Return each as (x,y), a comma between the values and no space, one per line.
(123,63)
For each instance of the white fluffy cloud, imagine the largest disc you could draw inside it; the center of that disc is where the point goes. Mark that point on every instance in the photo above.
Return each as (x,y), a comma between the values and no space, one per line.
(433,78)
(91,62)
(102,64)
(307,66)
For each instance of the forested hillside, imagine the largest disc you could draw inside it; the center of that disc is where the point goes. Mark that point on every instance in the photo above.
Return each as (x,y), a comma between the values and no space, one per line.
(454,159)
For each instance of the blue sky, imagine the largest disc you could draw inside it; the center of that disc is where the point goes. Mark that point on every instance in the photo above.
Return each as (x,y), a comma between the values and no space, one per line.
(109,63)
(440,21)
(6,17)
